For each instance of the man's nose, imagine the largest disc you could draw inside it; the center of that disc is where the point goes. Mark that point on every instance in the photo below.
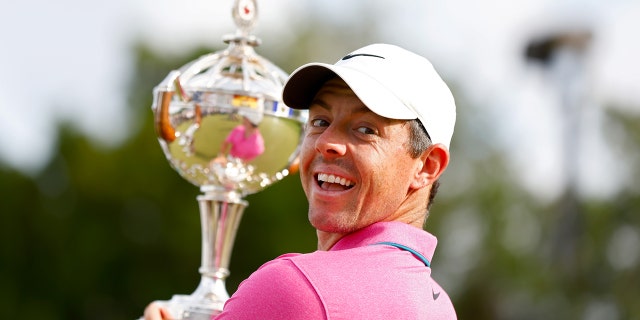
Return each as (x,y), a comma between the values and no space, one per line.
(332,143)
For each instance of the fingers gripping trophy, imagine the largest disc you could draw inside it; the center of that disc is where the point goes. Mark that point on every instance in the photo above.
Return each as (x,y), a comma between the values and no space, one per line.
(223,127)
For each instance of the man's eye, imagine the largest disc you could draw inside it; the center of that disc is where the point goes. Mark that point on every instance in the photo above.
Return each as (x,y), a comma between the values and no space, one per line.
(319,123)
(366,130)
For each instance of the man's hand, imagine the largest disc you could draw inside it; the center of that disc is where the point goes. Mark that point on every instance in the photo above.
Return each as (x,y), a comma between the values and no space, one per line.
(155,312)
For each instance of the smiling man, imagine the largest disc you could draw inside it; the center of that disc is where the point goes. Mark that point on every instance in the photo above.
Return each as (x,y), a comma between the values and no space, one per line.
(356,167)
(376,142)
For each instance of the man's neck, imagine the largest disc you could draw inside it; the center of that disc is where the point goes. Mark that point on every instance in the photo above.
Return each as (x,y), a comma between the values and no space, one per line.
(326,240)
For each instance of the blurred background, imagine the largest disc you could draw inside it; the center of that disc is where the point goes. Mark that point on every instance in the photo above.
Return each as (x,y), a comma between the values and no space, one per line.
(537,216)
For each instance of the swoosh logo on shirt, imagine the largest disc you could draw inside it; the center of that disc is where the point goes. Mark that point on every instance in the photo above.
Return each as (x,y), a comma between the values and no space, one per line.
(349,56)
(436,295)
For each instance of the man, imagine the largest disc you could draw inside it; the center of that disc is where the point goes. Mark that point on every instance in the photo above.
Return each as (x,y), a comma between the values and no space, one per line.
(244,141)
(376,142)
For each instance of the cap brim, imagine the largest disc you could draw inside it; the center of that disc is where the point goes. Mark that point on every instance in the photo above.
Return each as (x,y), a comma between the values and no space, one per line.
(304,83)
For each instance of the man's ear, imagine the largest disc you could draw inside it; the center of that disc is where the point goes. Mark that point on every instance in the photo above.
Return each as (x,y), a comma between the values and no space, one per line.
(433,162)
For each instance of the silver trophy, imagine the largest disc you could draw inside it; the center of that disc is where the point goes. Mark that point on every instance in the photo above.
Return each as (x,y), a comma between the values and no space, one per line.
(222,125)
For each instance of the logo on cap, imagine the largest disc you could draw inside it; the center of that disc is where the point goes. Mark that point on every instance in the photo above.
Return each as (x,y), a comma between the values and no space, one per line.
(349,56)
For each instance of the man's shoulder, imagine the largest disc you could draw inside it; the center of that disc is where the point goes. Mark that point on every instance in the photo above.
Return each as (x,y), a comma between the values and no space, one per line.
(277,290)
(303,269)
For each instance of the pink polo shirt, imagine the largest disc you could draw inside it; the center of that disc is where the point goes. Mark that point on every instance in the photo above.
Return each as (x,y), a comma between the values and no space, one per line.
(245,148)
(354,280)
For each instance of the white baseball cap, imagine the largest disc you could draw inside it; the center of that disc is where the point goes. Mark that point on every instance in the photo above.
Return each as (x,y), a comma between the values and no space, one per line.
(391,81)
(254,117)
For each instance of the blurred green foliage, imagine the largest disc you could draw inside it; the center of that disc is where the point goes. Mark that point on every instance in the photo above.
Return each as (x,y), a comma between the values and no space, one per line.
(100,233)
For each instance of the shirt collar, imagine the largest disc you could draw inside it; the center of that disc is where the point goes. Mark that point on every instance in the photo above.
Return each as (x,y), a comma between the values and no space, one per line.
(398,232)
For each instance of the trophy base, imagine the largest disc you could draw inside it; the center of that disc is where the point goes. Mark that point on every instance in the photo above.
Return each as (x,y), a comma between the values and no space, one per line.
(185,307)
(203,304)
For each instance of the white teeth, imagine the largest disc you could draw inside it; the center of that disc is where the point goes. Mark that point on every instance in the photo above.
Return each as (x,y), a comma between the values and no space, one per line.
(333,179)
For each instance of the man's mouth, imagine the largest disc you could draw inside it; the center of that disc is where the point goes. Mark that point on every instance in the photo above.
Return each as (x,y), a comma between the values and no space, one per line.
(331,182)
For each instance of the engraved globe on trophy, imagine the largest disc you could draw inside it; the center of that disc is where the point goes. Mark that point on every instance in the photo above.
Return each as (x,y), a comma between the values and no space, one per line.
(222,126)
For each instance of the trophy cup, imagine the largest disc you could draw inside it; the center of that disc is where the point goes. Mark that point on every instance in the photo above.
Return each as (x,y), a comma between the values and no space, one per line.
(223,127)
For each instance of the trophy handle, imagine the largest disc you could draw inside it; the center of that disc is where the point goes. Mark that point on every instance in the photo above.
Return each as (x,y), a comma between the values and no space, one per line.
(163,122)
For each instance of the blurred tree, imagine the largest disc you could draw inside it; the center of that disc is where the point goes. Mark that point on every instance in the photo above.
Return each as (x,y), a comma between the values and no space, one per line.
(99,234)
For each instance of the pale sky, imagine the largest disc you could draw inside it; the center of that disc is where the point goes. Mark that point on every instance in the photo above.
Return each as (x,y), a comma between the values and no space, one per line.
(70,60)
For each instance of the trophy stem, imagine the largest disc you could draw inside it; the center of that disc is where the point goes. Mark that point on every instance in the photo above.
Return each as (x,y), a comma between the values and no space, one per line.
(220,215)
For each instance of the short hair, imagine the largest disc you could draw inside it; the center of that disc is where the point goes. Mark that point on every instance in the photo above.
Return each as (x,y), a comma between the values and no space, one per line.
(419,141)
